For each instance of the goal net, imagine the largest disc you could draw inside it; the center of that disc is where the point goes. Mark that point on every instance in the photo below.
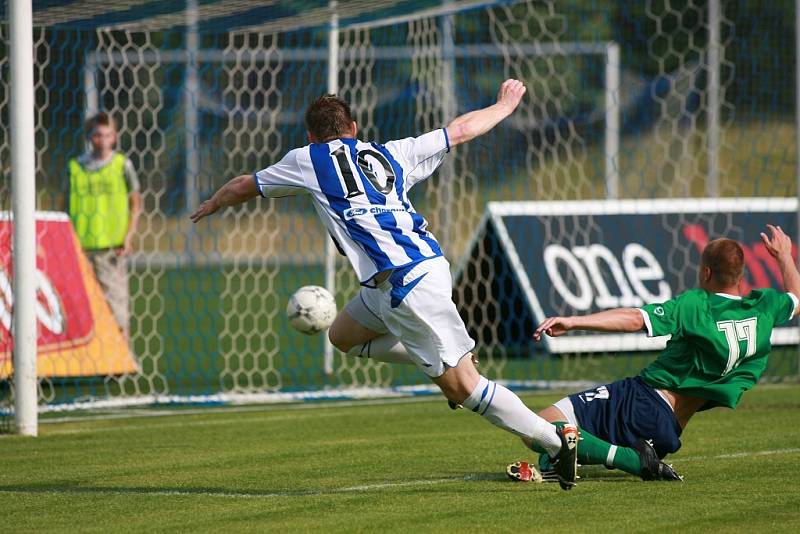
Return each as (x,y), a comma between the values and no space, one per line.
(632,109)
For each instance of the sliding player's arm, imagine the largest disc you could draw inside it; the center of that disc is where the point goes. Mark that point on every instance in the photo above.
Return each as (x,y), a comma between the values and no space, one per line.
(779,245)
(617,320)
(237,190)
(475,123)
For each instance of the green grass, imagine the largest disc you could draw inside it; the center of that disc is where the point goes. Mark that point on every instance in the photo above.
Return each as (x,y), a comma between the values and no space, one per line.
(383,467)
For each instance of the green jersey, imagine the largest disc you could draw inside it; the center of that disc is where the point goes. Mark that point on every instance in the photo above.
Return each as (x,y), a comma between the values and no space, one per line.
(719,343)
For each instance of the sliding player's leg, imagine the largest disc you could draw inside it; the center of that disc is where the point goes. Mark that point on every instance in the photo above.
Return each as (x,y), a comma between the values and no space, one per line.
(625,413)
(593,450)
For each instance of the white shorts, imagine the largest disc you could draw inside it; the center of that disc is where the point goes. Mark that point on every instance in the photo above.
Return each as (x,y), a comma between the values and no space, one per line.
(417,307)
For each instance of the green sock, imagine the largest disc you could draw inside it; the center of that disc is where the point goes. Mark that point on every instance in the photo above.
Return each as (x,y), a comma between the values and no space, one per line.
(594,451)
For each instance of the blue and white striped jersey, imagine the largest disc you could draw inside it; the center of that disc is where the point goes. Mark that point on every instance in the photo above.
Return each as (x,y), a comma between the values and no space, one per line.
(360,190)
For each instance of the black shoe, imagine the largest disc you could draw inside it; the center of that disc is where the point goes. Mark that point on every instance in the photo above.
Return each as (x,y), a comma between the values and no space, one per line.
(652,467)
(453,405)
(565,464)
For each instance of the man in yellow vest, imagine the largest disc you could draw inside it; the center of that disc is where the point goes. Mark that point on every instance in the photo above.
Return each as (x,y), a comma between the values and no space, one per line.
(104,205)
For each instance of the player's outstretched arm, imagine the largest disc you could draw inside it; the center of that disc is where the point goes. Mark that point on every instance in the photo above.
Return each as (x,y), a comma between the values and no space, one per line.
(470,125)
(236,191)
(617,320)
(779,245)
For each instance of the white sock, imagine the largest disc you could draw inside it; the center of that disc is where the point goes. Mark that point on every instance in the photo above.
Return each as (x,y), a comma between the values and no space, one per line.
(612,452)
(386,348)
(503,408)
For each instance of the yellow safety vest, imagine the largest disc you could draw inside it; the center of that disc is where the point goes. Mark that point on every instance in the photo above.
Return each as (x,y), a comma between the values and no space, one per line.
(98,203)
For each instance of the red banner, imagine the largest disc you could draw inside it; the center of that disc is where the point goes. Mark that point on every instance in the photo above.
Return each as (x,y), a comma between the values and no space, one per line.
(77,335)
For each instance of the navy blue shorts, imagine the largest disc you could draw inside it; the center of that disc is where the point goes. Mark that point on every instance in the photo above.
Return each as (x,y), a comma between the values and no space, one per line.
(626,411)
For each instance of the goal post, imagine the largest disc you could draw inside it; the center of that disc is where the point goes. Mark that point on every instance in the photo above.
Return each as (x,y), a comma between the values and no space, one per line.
(330,248)
(23,178)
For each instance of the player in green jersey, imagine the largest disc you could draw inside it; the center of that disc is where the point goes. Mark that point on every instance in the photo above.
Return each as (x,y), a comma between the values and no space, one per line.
(719,348)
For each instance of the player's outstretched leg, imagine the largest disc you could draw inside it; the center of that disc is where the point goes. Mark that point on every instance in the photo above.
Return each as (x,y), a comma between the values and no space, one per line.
(500,406)
(595,451)
(641,460)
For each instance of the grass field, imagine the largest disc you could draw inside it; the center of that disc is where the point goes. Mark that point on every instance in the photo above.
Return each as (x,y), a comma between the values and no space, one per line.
(382,466)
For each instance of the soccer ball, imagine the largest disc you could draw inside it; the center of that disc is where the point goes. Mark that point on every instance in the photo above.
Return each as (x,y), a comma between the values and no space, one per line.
(311,309)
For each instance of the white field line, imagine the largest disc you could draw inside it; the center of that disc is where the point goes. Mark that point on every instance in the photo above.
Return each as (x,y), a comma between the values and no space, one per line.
(227,494)
(333,491)
(736,455)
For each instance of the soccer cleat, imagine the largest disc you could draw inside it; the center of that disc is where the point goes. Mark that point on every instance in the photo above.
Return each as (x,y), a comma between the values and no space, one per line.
(454,405)
(523,472)
(565,464)
(652,467)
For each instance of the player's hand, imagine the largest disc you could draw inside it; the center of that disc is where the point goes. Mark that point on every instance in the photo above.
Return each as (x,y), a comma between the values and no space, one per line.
(510,94)
(206,208)
(553,327)
(778,244)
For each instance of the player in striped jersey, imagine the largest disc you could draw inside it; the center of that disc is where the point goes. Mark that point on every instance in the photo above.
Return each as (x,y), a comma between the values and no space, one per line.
(719,348)
(404,312)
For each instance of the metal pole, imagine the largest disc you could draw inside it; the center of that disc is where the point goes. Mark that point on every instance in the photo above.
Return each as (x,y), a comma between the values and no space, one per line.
(333,88)
(23,180)
(92,99)
(612,112)
(190,96)
(714,50)
(447,172)
(333,49)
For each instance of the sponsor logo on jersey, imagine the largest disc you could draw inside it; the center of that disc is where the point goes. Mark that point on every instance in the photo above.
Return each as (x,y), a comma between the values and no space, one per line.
(353,213)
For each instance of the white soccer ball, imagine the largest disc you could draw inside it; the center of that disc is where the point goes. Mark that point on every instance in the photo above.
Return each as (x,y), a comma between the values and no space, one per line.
(311,309)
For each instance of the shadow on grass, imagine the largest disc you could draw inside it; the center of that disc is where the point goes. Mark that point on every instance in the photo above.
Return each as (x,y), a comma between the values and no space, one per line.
(69,488)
